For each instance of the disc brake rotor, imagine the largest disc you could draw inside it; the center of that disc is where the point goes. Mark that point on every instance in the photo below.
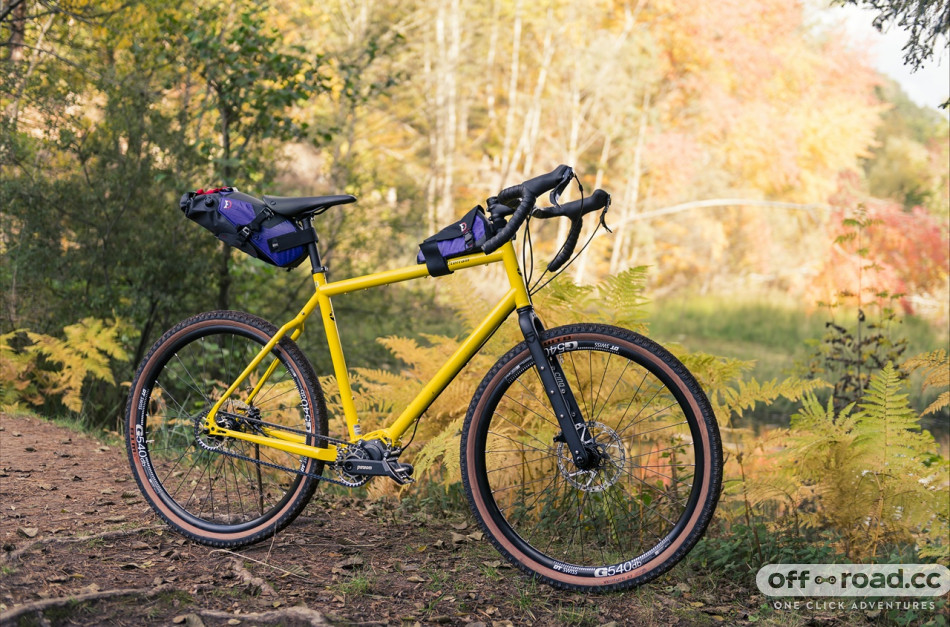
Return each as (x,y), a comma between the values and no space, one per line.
(607,472)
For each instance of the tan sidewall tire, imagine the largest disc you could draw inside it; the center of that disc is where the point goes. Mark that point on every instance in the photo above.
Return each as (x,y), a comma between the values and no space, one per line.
(709,438)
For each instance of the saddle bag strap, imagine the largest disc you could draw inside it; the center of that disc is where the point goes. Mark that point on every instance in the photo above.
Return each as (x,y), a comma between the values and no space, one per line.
(254,225)
(435,263)
(292,240)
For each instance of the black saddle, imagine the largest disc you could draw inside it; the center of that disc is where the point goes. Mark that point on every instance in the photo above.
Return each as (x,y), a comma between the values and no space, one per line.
(295,207)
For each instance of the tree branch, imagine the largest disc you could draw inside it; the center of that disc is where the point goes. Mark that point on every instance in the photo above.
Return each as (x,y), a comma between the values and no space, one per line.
(10,616)
(10,8)
(298,615)
(720,202)
(82,68)
(105,535)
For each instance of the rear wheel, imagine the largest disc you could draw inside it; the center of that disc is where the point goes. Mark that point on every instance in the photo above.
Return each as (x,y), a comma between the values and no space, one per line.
(651,494)
(223,491)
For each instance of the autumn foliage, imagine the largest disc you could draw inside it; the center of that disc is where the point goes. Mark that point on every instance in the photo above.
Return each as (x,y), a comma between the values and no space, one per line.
(879,249)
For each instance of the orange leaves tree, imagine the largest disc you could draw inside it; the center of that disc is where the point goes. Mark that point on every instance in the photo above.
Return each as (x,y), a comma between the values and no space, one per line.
(878,248)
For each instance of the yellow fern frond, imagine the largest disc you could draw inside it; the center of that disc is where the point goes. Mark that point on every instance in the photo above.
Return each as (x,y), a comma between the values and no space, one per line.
(47,366)
(936,371)
(442,448)
(942,401)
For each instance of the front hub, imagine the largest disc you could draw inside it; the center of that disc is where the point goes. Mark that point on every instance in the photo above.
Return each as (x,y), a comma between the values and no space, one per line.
(606,453)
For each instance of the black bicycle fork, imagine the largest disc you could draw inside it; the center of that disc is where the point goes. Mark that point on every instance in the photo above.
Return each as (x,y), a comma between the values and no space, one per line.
(569,417)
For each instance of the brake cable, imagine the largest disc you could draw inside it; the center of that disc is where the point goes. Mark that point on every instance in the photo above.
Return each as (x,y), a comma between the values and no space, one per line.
(538,286)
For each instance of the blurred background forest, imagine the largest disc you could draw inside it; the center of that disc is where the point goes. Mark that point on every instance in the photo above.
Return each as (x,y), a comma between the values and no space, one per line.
(766,180)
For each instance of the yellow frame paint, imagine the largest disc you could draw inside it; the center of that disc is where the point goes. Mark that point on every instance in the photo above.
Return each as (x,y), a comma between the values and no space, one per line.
(515,297)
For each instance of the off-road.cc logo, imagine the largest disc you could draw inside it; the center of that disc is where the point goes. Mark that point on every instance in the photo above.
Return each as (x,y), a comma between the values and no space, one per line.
(853,580)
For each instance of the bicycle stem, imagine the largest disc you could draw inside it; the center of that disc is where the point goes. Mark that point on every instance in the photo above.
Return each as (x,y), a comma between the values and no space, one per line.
(559,393)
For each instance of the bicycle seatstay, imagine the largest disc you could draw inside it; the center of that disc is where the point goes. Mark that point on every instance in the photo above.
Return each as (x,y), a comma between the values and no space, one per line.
(515,297)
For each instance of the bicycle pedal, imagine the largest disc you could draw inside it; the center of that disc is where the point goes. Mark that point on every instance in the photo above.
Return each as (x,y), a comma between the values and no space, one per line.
(402,473)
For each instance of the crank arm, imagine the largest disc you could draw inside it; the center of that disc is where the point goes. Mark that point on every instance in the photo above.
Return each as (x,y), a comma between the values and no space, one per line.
(398,472)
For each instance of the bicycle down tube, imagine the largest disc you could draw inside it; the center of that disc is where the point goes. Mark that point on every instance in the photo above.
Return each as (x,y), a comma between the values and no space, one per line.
(515,297)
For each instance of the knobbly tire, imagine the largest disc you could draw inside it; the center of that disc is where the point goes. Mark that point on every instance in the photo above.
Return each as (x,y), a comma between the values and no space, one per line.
(653,491)
(217,491)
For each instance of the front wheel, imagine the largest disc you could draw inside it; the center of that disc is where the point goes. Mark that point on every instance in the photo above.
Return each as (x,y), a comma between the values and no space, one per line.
(648,499)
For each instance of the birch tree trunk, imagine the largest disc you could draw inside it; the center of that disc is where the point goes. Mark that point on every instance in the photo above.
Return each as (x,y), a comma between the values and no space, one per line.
(445,76)
(632,192)
(506,160)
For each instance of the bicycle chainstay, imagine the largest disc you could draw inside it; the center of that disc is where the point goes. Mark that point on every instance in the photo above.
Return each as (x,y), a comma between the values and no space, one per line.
(260,462)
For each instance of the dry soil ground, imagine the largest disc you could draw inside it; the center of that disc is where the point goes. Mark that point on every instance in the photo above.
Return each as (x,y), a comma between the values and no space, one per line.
(81,547)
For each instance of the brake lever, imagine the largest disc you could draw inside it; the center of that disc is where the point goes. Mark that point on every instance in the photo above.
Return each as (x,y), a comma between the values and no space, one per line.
(603,215)
(562,185)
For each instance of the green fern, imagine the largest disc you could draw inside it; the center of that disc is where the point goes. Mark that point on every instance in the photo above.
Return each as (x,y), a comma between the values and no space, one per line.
(887,429)
(866,473)
(35,367)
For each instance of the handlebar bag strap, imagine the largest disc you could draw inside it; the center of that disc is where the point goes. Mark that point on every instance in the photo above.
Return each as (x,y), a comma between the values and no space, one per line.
(460,238)
(245,222)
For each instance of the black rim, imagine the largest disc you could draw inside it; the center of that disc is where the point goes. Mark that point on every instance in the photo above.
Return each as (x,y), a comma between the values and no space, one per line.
(607,567)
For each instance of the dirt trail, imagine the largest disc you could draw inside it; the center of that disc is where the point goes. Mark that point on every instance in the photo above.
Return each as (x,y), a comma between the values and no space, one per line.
(74,526)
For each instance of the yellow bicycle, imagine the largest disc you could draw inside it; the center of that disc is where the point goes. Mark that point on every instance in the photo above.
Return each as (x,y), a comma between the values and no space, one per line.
(589,454)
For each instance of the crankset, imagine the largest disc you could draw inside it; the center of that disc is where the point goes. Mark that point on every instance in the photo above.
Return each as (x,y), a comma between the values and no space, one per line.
(375,459)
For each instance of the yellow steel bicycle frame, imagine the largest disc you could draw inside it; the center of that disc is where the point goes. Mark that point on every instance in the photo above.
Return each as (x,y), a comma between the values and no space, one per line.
(516,297)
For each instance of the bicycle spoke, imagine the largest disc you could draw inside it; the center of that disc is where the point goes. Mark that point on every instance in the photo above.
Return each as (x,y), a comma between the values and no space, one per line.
(655,538)
(610,395)
(538,498)
(658,491)
(643,433)
(194,384)
(593,407)
(577,378)
(522,463)
(543,404)
(640,411)
(523,430)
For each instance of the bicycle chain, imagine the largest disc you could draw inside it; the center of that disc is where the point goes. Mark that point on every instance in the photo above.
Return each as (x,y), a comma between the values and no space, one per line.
(200,420)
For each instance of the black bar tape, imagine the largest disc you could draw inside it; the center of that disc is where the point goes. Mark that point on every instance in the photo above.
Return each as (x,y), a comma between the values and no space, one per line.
(521,213)
(596,201)
(569,244)
(549,181)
